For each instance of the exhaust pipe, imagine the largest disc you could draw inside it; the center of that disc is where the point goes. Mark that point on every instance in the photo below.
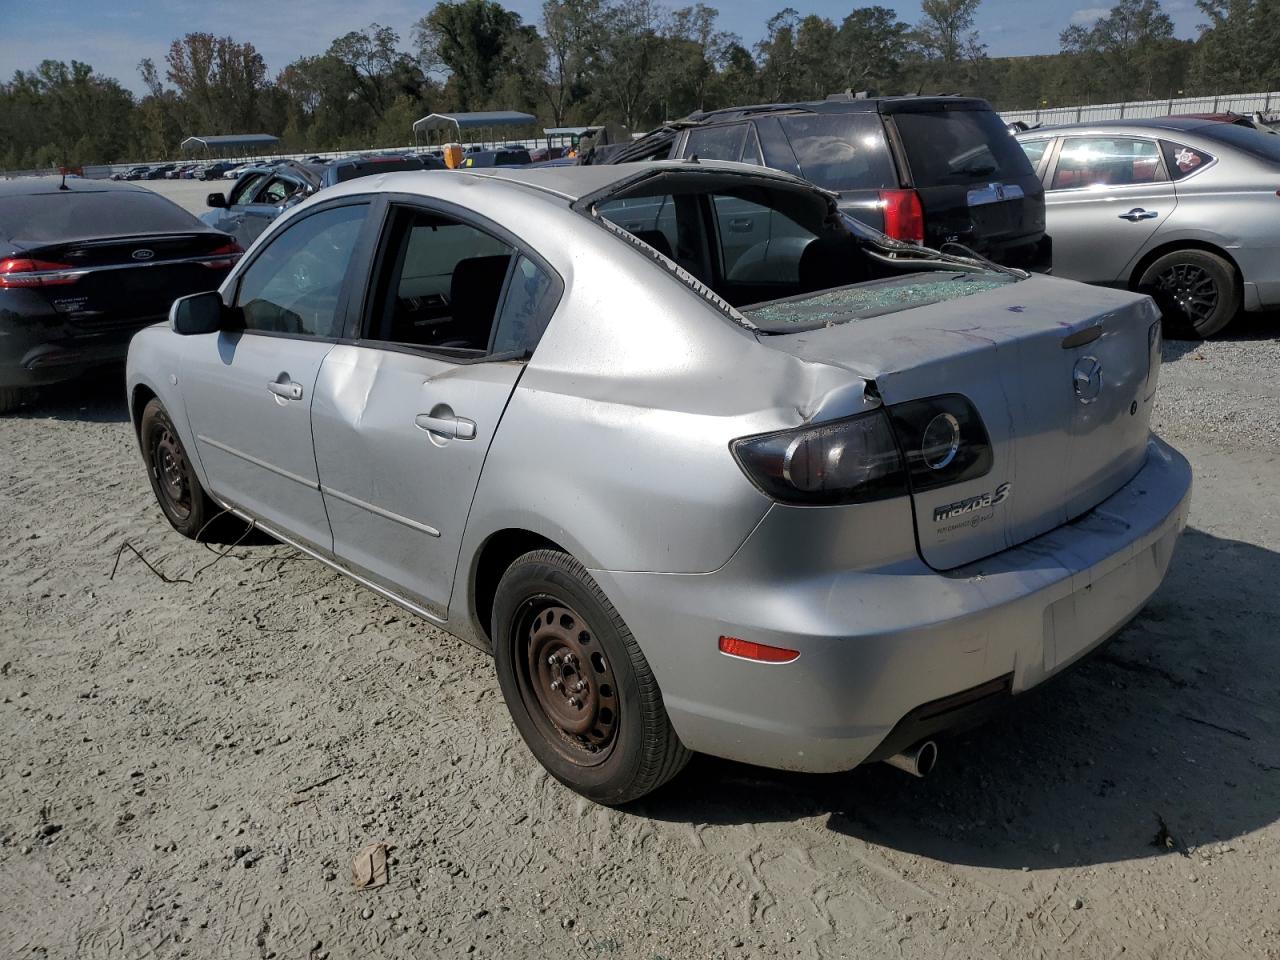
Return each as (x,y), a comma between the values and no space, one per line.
(917,760)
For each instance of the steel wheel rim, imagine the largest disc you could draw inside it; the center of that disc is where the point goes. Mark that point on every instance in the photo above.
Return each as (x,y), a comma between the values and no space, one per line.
(566,680)
(169,467)
(1192,288)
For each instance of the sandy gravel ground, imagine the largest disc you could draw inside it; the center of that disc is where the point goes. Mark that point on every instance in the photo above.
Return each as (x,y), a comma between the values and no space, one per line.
(187,768)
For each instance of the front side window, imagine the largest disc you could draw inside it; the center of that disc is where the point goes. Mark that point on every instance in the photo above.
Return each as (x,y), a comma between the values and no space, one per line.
(294,284)
(1107,162)
(244,190)
(440,284)
(841,151)
(716,143)
(278,191)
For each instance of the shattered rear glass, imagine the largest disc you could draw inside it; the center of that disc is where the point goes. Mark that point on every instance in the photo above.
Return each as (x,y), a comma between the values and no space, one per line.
(860,301)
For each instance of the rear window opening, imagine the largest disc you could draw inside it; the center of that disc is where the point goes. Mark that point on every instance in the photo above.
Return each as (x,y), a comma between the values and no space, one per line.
(777,254)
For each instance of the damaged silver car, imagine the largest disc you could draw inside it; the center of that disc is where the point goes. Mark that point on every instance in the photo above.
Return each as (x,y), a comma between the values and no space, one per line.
(704,464)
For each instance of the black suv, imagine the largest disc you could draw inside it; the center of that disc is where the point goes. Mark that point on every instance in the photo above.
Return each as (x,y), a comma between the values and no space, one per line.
(930,170)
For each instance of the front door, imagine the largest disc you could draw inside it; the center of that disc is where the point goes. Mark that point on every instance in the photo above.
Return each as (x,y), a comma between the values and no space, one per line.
(1107,197)
(249,391)
(403,418)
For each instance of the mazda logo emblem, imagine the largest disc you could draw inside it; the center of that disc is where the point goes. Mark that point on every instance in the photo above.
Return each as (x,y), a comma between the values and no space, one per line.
(143,254)
(1087,379)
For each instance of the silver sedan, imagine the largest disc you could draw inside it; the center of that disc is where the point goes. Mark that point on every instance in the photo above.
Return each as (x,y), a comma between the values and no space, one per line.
(807,514)
(1186,209)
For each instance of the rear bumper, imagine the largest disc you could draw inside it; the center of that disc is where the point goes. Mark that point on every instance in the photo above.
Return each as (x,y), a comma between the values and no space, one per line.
(878,645)
(40,350)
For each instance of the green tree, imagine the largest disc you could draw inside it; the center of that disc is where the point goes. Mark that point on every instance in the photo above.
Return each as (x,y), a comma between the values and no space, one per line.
(1130,53)
(571,31)
(218,80)
(947,38)
(1239,49)
(872,46)
(471,40)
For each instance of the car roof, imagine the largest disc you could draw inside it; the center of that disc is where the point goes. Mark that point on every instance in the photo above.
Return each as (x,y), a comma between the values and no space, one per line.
(840,103)
(575,182)
(1182,124)
(29,186)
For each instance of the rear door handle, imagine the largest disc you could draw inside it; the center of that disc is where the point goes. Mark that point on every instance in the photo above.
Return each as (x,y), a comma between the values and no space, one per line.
(1137,213)
(454,428)
(740,226)
(284,387)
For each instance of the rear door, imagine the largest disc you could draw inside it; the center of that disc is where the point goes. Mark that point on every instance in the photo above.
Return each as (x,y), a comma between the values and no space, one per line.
(1107,197)
(249,392)
(976,185)
(404,416)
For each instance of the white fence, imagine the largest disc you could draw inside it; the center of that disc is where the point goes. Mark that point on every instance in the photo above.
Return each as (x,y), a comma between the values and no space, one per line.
(1245,103)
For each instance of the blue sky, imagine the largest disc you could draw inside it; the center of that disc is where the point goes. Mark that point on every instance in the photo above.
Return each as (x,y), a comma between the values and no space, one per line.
(113,35)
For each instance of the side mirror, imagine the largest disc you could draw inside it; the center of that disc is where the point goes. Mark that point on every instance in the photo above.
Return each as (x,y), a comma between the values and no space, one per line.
(216,200)
(198,313)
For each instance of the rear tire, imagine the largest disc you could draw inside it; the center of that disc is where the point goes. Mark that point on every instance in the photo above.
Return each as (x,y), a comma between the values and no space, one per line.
(578,687)
(1198,291)
(173,479)
(11,398)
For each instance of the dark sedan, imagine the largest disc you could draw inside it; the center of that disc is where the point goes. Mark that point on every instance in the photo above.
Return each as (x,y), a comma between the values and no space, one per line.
(84,266)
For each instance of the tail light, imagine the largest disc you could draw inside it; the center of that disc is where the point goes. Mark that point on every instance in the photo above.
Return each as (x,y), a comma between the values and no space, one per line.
(943,439)
(22,272)
(908,447)
(903,215)
(854,460)
(229,253)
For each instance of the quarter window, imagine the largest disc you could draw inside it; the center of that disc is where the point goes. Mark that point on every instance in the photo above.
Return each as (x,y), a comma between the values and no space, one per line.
(1107,162)
(294,284)
(1183,161)
(715,143)
(841,151)
(531,298)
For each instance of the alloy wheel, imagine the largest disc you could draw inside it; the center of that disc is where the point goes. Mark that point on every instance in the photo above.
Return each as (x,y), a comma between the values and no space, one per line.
(1192,288)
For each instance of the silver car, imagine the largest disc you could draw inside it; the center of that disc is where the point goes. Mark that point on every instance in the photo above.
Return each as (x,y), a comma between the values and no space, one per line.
(1187,209)
(807,514)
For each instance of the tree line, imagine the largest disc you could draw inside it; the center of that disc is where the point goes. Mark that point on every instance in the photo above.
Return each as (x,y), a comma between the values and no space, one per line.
(633,63)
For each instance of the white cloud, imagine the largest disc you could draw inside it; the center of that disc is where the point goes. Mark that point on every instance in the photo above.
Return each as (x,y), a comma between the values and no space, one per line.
(1089,15)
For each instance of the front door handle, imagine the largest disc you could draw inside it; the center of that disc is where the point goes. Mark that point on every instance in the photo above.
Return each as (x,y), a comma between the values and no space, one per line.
(740,226)
(284,387)
(453,428)
(1137,213)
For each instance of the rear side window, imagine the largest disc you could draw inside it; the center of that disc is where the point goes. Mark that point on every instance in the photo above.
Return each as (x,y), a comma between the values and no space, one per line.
(82,214)
(716,143)
(958,147)
(1107,162)
(441,283)
(841,151)
(1183,161)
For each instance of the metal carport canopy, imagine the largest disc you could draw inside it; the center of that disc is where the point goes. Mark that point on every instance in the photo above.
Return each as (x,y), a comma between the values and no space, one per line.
(230,140)
(470,121)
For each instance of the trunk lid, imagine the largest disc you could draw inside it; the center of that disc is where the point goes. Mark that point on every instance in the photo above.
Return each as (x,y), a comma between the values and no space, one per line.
(1062,376)
(132,281)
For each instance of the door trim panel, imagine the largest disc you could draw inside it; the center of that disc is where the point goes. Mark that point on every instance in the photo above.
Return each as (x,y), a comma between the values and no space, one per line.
(249,458)
(380,511)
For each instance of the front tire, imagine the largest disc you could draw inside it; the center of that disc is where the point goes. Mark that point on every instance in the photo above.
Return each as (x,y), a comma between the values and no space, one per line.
(1195,288)
(173,479)
(579,689)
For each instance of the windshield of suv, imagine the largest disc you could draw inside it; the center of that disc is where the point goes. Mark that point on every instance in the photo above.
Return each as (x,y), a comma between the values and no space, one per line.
(956,147)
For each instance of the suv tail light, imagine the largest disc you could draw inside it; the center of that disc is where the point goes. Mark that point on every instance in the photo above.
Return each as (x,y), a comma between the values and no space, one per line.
(943,439)
(854,460)
(22,272)
(903,215)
